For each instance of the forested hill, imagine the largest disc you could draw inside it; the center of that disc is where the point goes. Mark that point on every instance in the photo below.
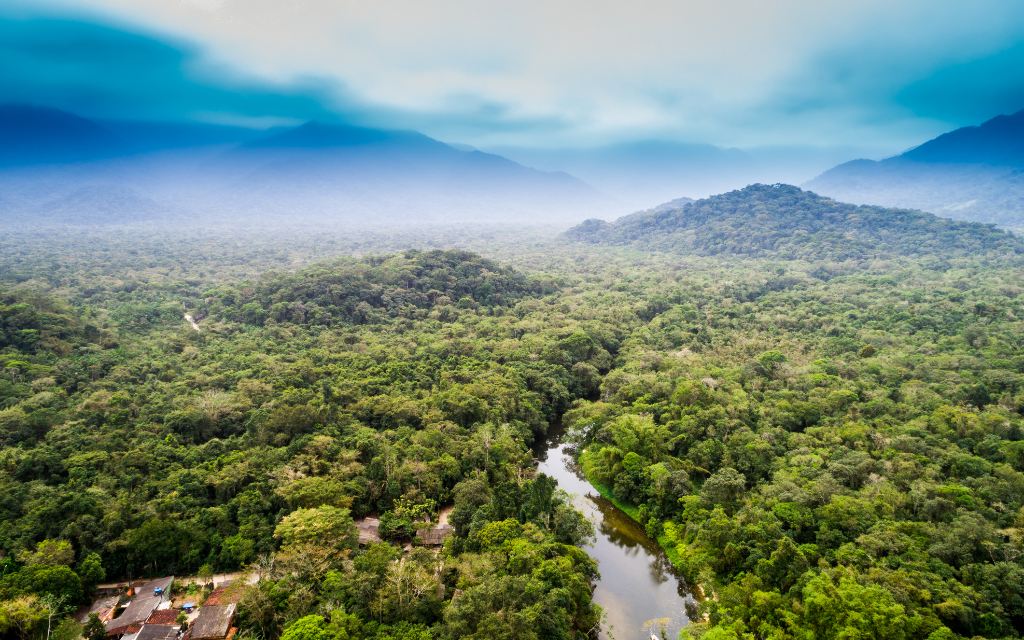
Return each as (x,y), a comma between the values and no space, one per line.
(784,221)
(371,289)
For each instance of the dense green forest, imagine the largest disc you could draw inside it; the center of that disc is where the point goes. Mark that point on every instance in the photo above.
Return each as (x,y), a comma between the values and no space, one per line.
(829,446)
(783,221)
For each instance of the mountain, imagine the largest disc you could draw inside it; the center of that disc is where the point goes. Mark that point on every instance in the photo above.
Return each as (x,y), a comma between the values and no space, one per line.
(783,221)
(58,166)
(972,173)
(334,169)
(31,134)
(318,135)
(997,142)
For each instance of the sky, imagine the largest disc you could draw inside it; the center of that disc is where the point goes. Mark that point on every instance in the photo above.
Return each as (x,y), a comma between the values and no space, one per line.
(876,76)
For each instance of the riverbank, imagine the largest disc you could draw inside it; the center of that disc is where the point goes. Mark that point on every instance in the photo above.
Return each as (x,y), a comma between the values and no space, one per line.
(638,588)
(664,543)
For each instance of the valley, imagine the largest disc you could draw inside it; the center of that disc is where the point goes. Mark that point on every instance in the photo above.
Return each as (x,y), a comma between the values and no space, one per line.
(821,432)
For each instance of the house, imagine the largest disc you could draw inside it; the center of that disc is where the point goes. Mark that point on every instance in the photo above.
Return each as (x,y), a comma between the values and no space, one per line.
(104,607)
(112,588)
(435,536)
(149,596)
(163,616)
(369,530)
(158,632)
(213,622)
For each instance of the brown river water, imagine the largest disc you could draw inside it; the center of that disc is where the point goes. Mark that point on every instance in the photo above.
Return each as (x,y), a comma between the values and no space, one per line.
(638,591)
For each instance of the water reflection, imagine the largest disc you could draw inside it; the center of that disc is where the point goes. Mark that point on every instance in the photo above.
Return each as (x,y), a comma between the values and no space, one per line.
(637,589)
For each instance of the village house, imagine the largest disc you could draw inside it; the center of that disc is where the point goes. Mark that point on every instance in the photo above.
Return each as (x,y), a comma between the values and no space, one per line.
(434,536)
(213,622)
(149,596)
(369,530)
(103,607)
(158,632)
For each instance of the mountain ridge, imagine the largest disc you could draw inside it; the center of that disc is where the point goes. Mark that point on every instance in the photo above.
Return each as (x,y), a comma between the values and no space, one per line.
(784,221)
(323,171)
(972,173)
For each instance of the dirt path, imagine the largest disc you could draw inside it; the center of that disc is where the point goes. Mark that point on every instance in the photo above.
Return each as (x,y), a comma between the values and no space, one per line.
(442,515)
(192,321)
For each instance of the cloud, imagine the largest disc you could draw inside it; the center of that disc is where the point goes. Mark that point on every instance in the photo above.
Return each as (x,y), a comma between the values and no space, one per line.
(581,72)
(108,71)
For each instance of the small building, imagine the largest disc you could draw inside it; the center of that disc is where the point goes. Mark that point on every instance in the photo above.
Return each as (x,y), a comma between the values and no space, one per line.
(112,588)
(104,607)
(369,530)
(213,622)
(150,596)
(163,616)
(158,632)
(435,536)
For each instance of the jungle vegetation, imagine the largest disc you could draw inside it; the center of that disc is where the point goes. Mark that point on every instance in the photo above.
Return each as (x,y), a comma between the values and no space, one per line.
(830,447)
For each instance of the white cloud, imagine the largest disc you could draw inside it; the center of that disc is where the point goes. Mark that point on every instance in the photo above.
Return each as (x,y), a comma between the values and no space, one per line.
(732,72)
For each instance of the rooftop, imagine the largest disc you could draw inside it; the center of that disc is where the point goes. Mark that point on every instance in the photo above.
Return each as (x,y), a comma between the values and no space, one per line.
(142,605)
(158,632)
(369,530)
(213,622)
(163,616)
(435,536)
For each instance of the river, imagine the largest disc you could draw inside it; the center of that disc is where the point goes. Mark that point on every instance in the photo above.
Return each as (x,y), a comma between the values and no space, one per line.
(638,591)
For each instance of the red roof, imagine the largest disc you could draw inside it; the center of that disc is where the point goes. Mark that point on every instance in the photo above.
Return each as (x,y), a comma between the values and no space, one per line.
(163,616)
(128,628)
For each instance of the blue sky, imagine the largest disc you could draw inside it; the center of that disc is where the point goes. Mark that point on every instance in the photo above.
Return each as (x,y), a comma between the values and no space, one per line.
(873,76)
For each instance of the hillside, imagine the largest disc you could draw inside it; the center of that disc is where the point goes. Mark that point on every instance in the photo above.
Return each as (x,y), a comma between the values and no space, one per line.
(373,289)
(783,221)
(971,173)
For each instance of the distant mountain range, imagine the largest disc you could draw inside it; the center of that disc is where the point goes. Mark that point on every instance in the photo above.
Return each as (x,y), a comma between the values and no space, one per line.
(972,173)
(783,221)
(61,167)
(639,173)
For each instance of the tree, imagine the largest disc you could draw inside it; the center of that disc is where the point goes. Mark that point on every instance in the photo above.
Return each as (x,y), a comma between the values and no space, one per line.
(312,627)
(325,525)
(21,616)
(846,609)
(94,629)
(58,582)
(724,488)
(315,541)
(67,629)
(50,553)
(91,571)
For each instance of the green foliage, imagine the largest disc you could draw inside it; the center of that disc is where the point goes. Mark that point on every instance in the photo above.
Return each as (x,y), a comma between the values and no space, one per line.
(782,221)
(821,489)
(93,628)
(376,289)
(831,449)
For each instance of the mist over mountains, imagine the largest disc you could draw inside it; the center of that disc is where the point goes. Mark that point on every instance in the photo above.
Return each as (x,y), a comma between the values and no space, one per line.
(972,173)
(60,167)
(637,174)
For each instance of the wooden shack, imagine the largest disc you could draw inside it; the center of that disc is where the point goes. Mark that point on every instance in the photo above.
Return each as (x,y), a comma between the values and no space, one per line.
(369,530)
(434,536)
